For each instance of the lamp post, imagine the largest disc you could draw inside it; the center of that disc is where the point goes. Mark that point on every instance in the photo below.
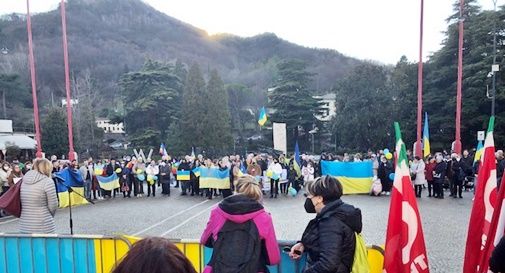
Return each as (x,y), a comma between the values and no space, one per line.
(313,132)
(418,149)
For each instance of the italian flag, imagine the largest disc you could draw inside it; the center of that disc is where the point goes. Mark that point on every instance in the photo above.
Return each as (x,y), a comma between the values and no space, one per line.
(405,248)
(483,209)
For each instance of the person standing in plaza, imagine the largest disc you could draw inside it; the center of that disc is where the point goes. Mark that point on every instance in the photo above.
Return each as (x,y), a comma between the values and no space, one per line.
(329,239)
(275,169)
(241,220)
(152,172)
(417,174)
(439,176)
(165,170)
(15,176)
(458,168)
(139,169)
(500,166)
(38,199)
(430,167)
(5,171)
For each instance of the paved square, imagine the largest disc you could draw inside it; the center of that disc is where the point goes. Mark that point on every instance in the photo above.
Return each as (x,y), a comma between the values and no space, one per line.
(445,222)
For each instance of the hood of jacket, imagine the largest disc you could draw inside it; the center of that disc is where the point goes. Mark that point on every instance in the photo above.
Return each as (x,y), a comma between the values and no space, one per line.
(32,177)
(240,208)
(346,213)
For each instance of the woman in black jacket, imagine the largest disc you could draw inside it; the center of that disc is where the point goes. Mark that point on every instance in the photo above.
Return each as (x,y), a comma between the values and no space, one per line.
(329,238)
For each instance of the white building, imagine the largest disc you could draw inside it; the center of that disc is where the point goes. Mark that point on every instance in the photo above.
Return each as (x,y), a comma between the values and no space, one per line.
(329,106)
(109,127)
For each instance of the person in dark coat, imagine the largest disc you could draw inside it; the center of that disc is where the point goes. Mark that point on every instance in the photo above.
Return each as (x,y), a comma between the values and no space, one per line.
(165,170)
(329,239)
(383,172)
(500,166)
(439,177)
(497,260)
(459,170)
(109,170)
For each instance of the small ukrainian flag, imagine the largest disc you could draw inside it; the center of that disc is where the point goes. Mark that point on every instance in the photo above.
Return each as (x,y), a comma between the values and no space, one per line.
(262,117)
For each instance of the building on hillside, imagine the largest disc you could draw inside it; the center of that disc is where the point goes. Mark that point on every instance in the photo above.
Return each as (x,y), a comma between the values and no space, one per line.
(328,105)
(20,138)
(109,127)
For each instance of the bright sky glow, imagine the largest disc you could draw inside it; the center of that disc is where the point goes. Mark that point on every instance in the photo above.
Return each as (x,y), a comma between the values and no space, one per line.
(367,29)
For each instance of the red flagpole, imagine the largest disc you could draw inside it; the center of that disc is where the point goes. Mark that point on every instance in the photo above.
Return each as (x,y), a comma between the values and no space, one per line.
(31,60)
(419,151)
(457,142)
(71,153)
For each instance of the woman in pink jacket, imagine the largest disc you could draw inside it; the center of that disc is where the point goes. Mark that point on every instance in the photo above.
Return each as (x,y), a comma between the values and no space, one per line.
(241,232)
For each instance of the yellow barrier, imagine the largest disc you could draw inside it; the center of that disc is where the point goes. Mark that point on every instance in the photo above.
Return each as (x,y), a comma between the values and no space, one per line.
(99,254)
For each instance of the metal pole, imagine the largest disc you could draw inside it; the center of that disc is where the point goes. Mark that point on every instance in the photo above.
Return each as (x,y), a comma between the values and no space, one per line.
(457,142)
(31,60)
(312,143)
(494,62)
(419,151)
(71,155)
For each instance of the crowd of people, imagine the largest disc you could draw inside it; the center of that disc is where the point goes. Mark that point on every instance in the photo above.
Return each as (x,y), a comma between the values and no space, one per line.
(240,218)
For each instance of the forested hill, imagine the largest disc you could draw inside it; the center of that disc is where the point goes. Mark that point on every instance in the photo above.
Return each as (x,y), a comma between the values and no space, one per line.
(110,37)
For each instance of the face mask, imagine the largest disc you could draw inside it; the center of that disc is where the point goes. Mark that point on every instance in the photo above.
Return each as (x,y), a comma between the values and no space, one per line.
(309,206)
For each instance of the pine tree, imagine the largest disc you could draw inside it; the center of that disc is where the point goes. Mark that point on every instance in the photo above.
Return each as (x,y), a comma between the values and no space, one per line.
(218,137)
(151,101)
(194,110)
(55,133)
(291,99)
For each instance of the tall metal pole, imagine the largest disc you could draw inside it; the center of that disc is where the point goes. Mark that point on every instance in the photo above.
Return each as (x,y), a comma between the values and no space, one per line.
(494,61)
(71,153)
(419,151)
(457,142)
(31,60)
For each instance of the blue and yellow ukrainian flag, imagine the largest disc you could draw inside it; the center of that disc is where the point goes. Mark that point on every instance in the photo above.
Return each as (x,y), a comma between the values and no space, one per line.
(355,177)
(71,178)
(478,152)
(426,136)
(262,119)
(108,183)
(213,178)
(196,171)
(297,163)
(183,175)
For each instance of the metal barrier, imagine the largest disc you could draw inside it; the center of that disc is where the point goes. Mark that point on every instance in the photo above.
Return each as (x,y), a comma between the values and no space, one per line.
(98,254)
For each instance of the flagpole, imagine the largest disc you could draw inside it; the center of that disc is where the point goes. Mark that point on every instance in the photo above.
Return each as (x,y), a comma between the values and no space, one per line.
(31,60)
(71,152)
(419,151)
(457,142)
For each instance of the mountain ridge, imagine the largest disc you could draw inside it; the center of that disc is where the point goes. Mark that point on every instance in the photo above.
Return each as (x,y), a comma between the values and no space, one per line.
(110,37)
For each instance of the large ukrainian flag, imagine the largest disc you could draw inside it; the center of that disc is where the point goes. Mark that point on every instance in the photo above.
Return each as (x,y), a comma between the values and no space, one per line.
(356,177)
(71,178)
(213,178)
(108,183)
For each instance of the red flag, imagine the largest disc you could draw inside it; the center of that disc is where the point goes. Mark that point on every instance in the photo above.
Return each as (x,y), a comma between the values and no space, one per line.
(405,249)
(483,206)
(496,230)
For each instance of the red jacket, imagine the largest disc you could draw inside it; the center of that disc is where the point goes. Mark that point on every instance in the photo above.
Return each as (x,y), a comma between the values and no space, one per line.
(430,167)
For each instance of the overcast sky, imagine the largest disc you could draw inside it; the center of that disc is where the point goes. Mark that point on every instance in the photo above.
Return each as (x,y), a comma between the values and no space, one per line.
(367,29)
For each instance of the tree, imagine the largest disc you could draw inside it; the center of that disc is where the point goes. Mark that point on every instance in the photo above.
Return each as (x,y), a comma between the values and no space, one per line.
(194,106)
(291,99)
(151,99)
(11,88)
(55,132)
(217,121)
(89,137)
(364,119)
(441,77)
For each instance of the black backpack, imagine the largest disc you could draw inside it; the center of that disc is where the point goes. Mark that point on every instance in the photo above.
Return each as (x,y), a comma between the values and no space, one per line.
(237,249)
